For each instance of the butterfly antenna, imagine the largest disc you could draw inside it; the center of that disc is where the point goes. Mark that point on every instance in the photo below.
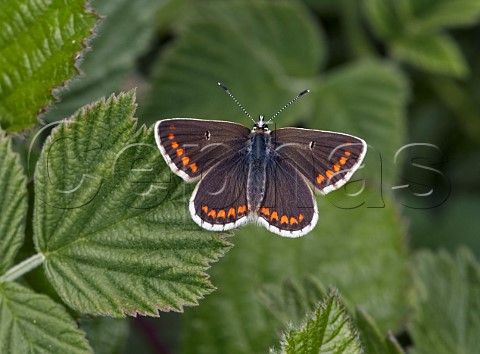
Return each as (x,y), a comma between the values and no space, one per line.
(236,101)
(288,104)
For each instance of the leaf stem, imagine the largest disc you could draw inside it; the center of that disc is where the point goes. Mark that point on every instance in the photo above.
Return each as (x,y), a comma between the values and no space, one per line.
(22,268)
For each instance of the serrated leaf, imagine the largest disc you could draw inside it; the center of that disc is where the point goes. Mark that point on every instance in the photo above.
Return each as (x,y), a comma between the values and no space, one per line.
(435,53)
(112,221)
(113,52)
(33,323)
(290,302)
(106,335)
(447,303)
(367,99)
(39,45)
(373,341)
(329,329)
(349,249)
(13,203)
(265,51)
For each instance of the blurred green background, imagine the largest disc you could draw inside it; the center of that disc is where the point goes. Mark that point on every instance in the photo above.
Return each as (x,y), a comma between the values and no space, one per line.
(403,75)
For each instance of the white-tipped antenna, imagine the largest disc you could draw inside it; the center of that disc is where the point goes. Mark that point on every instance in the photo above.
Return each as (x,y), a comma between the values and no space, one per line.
(288,104)
(236,101)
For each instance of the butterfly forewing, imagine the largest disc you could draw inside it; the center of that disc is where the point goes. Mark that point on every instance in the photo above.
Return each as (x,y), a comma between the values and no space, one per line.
(219,201)
(192,146)
(326,159)
(288,208)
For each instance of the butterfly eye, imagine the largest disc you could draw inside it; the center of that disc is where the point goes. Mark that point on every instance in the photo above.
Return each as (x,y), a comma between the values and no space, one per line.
(312,144)
(207,135)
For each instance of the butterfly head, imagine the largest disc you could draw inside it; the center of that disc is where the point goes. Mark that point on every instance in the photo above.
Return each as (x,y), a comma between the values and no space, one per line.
(261,126)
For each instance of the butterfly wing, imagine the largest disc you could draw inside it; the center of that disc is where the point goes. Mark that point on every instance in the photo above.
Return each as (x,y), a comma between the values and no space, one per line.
(192,146)
(219,201)
(288,207)
(326,159)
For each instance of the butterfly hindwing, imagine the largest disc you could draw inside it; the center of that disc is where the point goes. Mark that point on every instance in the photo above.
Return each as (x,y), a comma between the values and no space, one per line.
(219,201)
(326,159)
(289,207)
(192,146)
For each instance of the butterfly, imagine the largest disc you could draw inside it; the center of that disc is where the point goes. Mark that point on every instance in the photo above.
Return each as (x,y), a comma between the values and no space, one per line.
(256,174)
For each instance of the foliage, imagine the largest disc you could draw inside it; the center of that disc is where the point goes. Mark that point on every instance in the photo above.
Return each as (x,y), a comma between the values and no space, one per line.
(328,329)
(107,223)
(39,45)
(447,304)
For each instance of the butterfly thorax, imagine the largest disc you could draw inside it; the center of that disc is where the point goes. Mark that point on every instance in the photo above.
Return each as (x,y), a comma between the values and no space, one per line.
(258,158)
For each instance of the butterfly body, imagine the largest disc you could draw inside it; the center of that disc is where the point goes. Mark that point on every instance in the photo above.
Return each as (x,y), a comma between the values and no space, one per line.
(258,158)
(257,174)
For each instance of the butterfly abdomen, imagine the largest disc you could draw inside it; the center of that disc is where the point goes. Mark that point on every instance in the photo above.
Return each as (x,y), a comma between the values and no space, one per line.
(257,169)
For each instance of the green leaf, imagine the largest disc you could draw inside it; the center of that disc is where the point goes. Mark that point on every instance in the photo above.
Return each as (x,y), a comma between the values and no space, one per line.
(290,302)
(293,300)
(383,16)
(33,323)
(39,45)
(113,222)
(373,341)
(367,99)
(435,53)
(115,48)
(360,251)
(329,329)
(265,51)
(13,203)
(432,15)
(106,335)
(447,303)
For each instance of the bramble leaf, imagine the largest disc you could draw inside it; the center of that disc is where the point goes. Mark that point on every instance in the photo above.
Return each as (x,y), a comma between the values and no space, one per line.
(34,323)
(447,303)
(39,46)
(373,341)
(114,50)
(329,329)
(13,203)
(113,222)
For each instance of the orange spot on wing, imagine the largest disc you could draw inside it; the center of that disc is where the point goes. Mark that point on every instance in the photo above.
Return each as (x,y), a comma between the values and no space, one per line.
(221,214)
(171,137)
(300,217)
(179,152)
(185,160)
(336,167)
(274,216)
(265,211)
(343,160)
(293,221)
(205,209)
(172,126)
(329,173)
(231,212)
(174,144)
(284,219)
(212,213)
(242,209)
(193,167)
(347,153)
(320,178)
